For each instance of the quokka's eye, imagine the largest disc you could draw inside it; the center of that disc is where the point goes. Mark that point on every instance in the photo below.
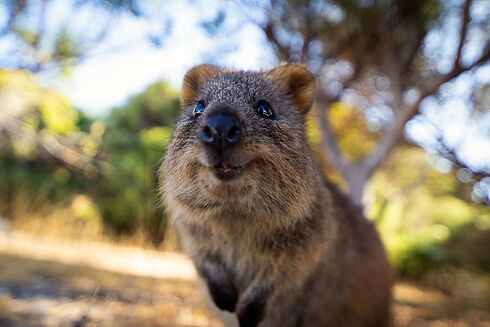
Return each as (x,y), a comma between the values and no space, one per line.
(263,109)
(198,109)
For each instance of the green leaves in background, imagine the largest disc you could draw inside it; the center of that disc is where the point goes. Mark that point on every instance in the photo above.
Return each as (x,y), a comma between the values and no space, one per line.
(133,144)
(126,147)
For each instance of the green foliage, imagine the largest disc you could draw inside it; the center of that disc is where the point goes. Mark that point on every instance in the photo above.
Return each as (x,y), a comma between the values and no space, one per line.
(39,112)
(29,36)
(354,137)
(57,115)
(418,212)
(129,142)
(133,144)
(37,181)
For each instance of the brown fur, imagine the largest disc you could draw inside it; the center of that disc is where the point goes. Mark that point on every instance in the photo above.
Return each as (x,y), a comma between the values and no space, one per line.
(277,245)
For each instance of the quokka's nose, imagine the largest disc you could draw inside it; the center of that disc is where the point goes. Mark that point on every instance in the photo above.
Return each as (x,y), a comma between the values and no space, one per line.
(221,130)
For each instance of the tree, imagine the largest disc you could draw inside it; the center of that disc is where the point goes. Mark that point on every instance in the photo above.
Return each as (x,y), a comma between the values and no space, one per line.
(380,56)
(48,149)
(36,38)
(136,135)
(36,123)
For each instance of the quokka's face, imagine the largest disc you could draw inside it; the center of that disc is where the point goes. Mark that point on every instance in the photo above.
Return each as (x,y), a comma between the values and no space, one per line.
(240,135)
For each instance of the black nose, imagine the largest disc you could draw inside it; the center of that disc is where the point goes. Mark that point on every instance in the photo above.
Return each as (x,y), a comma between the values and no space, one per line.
(221,130)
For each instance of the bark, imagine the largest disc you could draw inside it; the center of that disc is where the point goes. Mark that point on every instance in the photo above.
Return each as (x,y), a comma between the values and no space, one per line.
(357,179)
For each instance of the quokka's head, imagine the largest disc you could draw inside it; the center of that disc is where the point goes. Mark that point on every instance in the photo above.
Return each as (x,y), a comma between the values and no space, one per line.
(240,138)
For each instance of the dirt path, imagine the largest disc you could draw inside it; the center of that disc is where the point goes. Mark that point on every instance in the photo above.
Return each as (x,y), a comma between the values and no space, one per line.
(98,255)
(45,282)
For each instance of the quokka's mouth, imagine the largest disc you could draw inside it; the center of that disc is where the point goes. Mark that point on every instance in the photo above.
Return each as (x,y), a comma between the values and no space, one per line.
(225,171)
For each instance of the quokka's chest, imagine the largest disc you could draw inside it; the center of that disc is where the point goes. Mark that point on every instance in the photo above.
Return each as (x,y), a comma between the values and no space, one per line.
(243,257)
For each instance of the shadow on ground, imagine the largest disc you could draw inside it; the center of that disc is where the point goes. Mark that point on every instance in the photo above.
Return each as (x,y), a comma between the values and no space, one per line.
(49,293)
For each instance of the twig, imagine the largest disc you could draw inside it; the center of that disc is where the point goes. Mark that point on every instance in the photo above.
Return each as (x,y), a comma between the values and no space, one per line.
(84,320)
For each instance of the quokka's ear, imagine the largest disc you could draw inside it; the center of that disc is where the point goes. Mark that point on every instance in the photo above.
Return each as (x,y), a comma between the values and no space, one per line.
(195,78)
(298,82)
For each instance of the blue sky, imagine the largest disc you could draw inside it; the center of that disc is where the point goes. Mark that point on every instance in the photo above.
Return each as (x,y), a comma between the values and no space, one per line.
(105,81)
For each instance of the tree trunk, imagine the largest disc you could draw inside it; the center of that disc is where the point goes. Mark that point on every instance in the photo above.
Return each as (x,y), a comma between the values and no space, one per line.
(357,180)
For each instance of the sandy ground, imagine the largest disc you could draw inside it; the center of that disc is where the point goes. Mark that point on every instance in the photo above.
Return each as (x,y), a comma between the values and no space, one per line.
(47,282)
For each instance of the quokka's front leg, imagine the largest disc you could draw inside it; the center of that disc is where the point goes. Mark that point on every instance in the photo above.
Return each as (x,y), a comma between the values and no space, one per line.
(252,304)
(219,282)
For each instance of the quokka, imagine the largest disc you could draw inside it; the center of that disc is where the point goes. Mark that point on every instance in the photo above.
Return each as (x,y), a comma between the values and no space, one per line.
(276,243)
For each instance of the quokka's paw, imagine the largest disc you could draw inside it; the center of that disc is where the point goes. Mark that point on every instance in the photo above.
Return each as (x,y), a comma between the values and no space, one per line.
(251,315)
(225,298)
(251,307)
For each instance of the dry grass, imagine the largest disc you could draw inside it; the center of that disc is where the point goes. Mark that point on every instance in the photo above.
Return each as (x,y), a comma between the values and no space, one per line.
(48,292)
(77,219)
(417,306)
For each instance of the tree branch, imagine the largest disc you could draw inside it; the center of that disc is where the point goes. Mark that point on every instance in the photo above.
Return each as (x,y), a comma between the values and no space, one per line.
(328,139)
(450,153)
(54,147)
(465,20)
(445,150)
(389,140)
(415,39)
(457,70)
(282,51)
